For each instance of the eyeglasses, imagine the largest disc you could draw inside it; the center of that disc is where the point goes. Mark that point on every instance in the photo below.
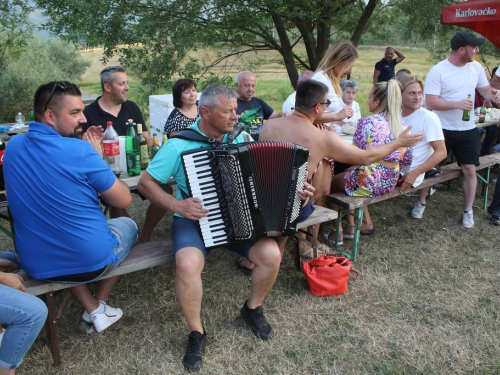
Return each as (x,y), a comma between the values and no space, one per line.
(56,84)
(328,102)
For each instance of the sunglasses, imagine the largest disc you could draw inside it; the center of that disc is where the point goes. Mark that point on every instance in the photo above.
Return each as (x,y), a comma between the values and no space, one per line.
(328,102)
(56,84)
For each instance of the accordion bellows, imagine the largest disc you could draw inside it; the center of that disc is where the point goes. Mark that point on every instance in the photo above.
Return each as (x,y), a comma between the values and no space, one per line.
(250,189)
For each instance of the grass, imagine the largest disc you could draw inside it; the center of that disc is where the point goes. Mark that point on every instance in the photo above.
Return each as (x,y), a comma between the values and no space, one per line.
(426,302)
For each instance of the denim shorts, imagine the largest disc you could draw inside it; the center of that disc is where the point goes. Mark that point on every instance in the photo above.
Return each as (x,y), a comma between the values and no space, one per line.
(126,233)
(186,233)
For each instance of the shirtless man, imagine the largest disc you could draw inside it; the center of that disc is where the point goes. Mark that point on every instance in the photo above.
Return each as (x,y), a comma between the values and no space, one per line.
(311,101)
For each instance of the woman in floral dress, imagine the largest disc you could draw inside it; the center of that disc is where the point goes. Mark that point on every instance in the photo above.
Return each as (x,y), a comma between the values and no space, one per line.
(381,128)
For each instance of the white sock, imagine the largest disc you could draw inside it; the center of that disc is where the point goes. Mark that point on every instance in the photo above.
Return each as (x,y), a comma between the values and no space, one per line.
(100,309)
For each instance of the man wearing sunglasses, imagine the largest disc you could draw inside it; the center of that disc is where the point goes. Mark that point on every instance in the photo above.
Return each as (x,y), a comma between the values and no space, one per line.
(53,179)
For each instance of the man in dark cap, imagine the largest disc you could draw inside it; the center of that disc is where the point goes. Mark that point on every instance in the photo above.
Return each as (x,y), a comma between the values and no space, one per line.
(446,89)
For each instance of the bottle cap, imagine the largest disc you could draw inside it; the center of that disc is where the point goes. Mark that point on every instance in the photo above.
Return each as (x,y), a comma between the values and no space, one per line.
(109,123)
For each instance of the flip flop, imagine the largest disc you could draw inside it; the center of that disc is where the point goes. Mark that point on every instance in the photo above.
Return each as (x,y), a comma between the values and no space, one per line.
(368,233)
(245,270)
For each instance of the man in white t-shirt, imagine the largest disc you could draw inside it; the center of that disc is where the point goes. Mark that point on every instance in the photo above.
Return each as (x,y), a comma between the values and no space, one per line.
(446,88)
(290,101)
(428,152)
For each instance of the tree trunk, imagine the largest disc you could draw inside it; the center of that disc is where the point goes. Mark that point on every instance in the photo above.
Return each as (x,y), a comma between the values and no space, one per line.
(286,50)
(363,22)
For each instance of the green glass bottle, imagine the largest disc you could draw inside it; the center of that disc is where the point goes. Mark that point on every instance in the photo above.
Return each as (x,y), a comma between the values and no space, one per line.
(466,114)
(155,147)
(132,151)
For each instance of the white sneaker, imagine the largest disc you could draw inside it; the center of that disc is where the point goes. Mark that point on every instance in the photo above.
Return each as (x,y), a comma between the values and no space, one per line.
(86,315)
(1,336)
(468,220)
(418,211)
(110,316)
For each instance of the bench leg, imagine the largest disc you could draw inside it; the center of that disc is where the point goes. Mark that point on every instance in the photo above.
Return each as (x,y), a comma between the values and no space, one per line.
(358,221)
(310,231)
(484,191)
(51,328)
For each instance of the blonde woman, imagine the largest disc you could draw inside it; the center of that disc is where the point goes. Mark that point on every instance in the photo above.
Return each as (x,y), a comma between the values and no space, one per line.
(379,129)
(335,65)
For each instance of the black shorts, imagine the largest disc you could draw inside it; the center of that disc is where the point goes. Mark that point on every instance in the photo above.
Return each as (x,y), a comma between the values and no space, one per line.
(464,145)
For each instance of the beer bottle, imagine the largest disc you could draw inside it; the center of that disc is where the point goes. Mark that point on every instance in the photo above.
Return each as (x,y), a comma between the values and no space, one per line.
(143,147)
(466,115)
(132,151)
(155,148)
(482,113)
(164,139)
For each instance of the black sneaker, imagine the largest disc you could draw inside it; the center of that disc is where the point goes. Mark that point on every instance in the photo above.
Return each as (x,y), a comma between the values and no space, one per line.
(193,358)
(494,219)
(260,327)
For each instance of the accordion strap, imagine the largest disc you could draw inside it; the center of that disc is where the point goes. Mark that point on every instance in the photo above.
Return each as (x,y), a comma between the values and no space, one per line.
(193,135)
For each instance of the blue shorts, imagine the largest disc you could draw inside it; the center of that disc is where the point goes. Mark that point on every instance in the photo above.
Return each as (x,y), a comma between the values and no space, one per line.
(186,233)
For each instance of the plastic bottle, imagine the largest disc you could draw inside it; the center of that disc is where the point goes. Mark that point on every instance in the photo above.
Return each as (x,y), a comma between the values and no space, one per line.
(466,115)
(133,152)
(19,118)
(143,147)
(482,113)
(111,148)
(155,148)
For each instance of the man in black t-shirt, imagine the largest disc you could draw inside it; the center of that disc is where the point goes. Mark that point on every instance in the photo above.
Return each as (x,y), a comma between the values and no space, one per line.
(245,89)
(114,106)
(384,69)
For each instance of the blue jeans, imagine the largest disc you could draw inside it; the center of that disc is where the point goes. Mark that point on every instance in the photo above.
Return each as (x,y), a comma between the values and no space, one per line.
(494,207)
(9,255)
(24,316)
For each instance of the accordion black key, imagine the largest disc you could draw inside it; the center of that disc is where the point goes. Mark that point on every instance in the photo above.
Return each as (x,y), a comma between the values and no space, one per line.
(250,189)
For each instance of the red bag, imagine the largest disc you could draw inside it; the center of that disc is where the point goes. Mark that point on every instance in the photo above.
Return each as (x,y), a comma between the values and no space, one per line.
(327,275)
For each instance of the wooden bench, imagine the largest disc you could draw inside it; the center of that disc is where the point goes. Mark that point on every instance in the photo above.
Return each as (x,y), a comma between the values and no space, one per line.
(141,256)
(346,203)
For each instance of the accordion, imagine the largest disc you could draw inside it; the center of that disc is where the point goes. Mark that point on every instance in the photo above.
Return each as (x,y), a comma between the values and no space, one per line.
(250,189)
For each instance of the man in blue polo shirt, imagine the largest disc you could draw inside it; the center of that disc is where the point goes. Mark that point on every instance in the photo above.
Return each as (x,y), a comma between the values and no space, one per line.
(217,119)
(53,179)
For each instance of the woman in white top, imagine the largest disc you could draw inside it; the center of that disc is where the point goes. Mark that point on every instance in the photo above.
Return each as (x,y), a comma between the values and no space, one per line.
(335,65)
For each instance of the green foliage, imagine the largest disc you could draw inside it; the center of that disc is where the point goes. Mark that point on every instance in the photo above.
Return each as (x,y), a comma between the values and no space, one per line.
(35,63)
(155,37)
(14,28)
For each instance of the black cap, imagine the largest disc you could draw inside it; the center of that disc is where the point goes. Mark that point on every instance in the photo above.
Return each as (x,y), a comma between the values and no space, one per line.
(463,39)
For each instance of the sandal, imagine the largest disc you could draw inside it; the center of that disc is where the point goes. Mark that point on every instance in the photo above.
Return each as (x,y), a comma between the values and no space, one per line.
(322,250)
(245,270)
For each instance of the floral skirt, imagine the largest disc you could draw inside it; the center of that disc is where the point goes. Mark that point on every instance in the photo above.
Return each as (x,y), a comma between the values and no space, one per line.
(371,180)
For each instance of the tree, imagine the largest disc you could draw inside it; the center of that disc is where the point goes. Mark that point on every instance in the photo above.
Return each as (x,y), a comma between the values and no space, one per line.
(15,29)
(155,36)
(35,63)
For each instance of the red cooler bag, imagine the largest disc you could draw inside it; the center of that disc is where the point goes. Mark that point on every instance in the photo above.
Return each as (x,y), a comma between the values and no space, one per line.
(328,275)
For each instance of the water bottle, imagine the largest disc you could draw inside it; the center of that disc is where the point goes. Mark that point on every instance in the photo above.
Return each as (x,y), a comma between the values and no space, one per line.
(111,149)
(20,119)
(132,151)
